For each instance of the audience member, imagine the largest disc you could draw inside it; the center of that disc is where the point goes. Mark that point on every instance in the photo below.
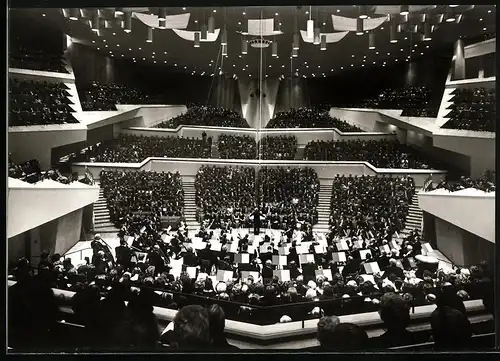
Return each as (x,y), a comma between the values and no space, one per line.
(97,96)
(278,148)
(326,328)
(237,147)
(217,321)
(192,328)
(451,330)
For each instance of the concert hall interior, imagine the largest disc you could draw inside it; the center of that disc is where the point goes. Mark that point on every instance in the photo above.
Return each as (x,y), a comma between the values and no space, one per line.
(229,179)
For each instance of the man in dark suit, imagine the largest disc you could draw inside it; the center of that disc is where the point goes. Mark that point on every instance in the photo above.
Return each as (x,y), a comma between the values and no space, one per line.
(393,269)
(256,221)
(123,254)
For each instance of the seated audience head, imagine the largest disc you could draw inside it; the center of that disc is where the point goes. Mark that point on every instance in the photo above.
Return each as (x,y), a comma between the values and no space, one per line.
(192,328)
(394,311)
(326,326)
(451,328)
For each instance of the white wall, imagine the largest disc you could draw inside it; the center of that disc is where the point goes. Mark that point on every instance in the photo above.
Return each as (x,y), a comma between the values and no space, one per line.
(68,231)
(473,213)
(151,115)
(31,206)
(36,142)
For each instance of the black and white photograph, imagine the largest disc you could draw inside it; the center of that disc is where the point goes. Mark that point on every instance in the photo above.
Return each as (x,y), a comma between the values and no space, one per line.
(238,179)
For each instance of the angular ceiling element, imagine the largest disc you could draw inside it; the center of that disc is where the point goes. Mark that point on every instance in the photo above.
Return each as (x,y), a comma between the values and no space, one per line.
(349,24)
(330,37)
(264,27)
(180,21)
(189,35)
(395,9)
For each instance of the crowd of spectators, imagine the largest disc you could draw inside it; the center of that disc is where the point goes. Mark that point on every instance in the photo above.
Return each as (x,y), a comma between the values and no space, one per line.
(289,196)
(379,153)
(101,292)
(415,101)
(278,148)
(370,206)
(269,147)
(472,109)
(38,103)
(137,200)
(31,172)
(207,116)
(237,147)
(21,57)
(98,96)
(309,118)
(485,183)
(225,195)
(136,148)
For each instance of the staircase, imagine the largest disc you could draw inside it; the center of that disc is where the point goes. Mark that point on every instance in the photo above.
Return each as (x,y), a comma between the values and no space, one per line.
(325,194)
(299,154)
(414,219)
(215,150)
(102,220)
(190,204)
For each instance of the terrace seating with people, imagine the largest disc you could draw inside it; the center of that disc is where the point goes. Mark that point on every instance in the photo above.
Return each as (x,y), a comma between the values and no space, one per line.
(225,195)
(486,183)
(207,116)
(237,147)
(309,118)
(39,103)
(379,153)
(370,206)
(31,172)
(136,148)
(137,200)
(22,57)
(415,101)
(98,96)
(278,148)
(472,109)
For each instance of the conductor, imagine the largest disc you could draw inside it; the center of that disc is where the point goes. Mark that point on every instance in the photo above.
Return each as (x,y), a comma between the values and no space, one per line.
(256,221)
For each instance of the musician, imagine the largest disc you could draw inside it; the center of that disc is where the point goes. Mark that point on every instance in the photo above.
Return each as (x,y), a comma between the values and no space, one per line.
(190,259)
(267,270)
(256,221)
(155,259)
(123,254)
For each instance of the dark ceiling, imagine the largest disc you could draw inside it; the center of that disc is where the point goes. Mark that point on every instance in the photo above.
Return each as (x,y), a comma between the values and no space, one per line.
(351,52)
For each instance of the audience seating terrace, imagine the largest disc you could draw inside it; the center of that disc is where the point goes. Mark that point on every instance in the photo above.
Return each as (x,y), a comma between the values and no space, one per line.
(472,109)
(309,118)
(486,183)
(269,147)
(415,101)
(137,200)
(237,147)
(278,148)
(370,206)
(98,96)
(22,57)
(225,196)
(379,153)
(207,116)
(38,103)
(135,148)
(31,172)
(289,196)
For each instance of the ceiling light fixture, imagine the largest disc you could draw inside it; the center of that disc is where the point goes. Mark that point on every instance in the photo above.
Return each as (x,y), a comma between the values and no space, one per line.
(244,46)
(275,49)
(162,24)
(223,40)
(73,14)
(362,12)
(359,26)
(404,10)
(162,13)
(150,35)
(295,53)
(371,40)
(204,30)
(128,22)
(323,42)
(427,32)
(197,39)
(95,22)
(118,12)
(295,41)
(211,25)
(317,39)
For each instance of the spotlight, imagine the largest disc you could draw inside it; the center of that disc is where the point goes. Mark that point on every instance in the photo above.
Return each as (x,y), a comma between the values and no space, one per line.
(211,25)
(427,32)
(393,39)
(323,42)
(197,39)
(150,35)
(404,10)
(359,26)
(223,40)
(316,40)
(73,14)
(118,11)
(204,31)
(244,47)
(162,14)
(371,40)
(275,49)
(95,22)
(128,22)
(310,28)
(295,53)
(295,41)
(362,12)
